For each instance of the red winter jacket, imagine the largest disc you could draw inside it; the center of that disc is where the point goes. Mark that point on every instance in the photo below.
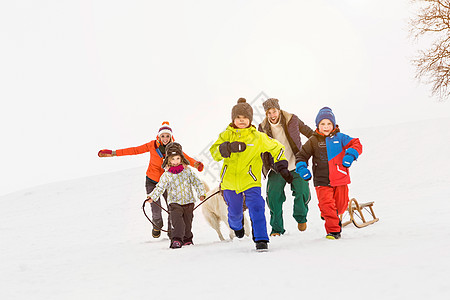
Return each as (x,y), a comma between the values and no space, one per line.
(328,153)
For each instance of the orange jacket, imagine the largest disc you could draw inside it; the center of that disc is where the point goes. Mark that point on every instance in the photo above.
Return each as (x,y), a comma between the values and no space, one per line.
(154,170)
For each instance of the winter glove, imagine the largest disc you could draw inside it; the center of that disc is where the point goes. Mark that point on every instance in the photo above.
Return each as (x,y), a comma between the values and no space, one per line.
(237,147)
(199,166)
(106,153)
(267,159)
(287,175)
(281,167)
(301,168)
(227,148)
(350,155)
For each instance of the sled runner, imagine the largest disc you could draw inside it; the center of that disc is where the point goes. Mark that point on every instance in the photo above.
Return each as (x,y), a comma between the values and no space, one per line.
(355,212)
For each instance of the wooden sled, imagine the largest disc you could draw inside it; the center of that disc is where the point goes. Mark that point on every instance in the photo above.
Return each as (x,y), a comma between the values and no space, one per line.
(355,212)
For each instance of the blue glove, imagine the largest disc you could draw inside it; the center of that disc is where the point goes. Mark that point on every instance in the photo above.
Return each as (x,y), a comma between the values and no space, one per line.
(350,155)
(301,168)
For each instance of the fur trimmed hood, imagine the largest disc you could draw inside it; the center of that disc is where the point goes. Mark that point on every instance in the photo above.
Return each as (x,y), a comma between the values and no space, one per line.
(172,149)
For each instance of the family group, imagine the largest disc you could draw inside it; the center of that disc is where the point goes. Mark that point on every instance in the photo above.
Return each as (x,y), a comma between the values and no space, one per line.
(273,150)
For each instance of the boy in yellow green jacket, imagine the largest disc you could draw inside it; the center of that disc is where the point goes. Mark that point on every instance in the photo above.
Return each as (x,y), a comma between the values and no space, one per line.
(241,146)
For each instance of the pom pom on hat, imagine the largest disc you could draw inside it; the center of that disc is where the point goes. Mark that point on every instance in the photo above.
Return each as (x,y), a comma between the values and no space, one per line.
(242,108)
(325,113)
(165,128)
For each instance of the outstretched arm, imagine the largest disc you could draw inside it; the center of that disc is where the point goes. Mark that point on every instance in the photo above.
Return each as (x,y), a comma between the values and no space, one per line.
(194,163)
(135,150)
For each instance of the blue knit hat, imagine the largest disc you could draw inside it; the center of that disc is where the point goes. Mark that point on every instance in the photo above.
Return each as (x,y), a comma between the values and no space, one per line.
(325,113)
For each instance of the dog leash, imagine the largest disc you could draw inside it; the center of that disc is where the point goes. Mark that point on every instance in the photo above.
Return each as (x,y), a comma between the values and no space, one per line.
(150,220)
(157,204)
(156,226)
(201,202)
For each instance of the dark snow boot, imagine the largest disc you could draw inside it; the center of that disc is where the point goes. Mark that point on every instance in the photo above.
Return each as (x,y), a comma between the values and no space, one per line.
(333,236)
(175,244)
(156,233)
(188,242)
(262,246)
(239,233)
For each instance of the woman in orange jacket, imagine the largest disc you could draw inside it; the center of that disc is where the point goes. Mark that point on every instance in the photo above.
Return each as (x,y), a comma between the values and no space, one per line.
(157,149)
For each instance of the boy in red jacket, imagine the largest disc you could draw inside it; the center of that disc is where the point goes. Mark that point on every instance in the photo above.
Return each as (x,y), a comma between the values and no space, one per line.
(333,153)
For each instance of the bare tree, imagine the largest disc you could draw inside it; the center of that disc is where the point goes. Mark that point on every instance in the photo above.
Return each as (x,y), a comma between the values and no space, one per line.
(433,65)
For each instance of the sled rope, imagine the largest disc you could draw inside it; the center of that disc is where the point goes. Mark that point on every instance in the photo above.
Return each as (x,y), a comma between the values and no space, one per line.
(365,208)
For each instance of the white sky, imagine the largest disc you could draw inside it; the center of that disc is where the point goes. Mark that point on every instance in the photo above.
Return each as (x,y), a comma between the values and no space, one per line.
(79,76)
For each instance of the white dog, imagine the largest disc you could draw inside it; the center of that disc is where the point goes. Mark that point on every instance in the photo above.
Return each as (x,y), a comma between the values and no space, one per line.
(215,210)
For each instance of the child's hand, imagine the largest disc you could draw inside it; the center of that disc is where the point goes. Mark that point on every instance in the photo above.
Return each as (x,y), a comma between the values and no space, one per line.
(348,160)
(202,198)
(149,200)
(227,148)
(301,169)
(237,147)
(350,155)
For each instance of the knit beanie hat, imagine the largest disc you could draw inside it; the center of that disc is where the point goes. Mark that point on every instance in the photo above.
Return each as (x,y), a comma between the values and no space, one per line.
(165,128)
(172,149)
(242,108)
(325,113)
(271,103)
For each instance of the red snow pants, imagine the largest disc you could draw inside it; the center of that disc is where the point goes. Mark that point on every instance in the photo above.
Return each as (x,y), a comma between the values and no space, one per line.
(333,201)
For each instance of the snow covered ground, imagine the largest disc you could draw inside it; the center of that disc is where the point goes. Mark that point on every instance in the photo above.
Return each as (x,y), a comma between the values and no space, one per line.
(88,238)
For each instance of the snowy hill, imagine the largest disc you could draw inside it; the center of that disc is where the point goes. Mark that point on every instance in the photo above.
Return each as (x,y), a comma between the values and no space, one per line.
(88,238)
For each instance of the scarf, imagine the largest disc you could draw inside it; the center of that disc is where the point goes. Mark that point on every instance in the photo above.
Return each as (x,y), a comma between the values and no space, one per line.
(177,169)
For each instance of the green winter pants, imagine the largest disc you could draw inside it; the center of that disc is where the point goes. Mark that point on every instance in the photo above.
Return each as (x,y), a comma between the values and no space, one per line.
(276,198)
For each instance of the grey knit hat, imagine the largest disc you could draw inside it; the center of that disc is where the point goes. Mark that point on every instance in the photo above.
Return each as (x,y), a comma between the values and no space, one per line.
(271,103)
(172,149)
(242,108)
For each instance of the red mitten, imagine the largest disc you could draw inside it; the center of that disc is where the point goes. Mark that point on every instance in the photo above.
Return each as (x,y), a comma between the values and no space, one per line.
(200,166)
(105,153)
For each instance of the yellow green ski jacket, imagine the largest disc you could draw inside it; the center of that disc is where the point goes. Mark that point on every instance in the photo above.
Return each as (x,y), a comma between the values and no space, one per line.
(242,170)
